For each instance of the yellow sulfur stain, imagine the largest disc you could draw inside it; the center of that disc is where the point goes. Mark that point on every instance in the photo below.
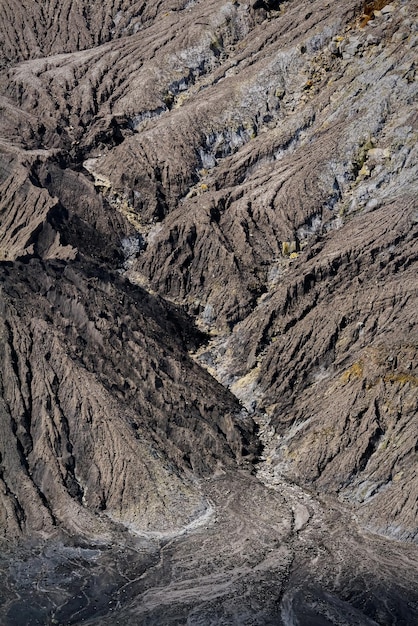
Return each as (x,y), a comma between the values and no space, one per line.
(353,372)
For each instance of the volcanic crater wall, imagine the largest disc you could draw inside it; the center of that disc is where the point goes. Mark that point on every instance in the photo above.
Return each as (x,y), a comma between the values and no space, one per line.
(255,165)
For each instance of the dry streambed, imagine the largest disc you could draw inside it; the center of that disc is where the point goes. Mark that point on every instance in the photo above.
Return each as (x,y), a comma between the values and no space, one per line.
(262,555)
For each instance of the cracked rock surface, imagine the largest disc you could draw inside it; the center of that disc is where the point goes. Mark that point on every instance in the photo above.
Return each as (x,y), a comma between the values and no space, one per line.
(208,327)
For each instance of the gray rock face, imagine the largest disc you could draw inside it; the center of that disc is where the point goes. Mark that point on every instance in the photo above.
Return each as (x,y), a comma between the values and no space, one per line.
(192,191)
(98,396)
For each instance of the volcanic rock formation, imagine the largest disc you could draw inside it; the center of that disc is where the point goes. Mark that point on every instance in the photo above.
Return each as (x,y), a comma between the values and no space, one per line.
(209,327)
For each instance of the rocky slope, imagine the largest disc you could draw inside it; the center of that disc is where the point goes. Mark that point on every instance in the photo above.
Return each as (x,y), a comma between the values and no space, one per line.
(192,191)
(107,410)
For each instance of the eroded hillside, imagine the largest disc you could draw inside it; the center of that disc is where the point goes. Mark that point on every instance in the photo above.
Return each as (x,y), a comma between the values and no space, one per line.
(208,258)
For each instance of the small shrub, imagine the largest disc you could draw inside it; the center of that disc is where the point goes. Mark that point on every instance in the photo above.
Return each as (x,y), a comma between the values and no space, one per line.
(289,248)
